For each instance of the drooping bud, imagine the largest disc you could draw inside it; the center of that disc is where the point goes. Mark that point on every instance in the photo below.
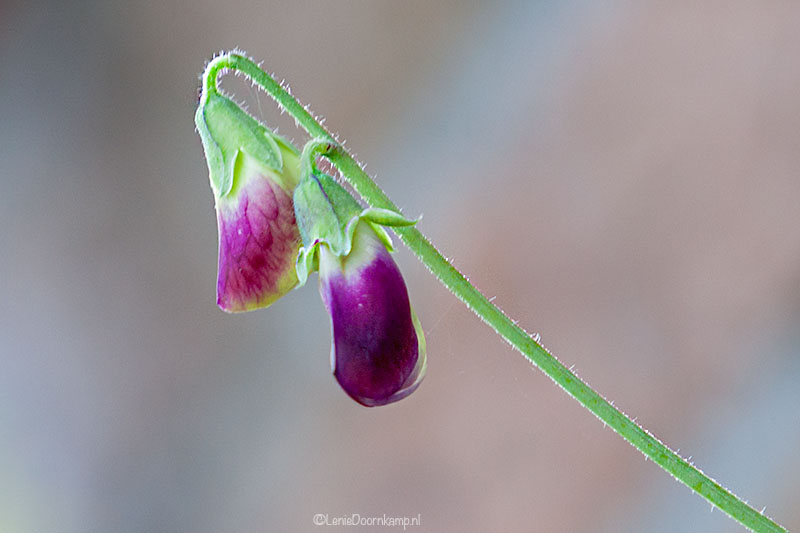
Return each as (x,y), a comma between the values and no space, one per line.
(378,353)
(378,349)
(253,174)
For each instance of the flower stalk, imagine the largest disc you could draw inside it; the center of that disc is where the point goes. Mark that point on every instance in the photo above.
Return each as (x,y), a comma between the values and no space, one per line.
(449,276)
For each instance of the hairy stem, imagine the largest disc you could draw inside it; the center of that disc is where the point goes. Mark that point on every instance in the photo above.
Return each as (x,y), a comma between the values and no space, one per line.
(642,440)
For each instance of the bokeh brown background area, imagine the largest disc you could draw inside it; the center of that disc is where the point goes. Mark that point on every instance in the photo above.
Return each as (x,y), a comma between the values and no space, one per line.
(623,178)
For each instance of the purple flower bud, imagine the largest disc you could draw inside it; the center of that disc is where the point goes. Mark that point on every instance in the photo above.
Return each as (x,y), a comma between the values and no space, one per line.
(378,353)
(258,235)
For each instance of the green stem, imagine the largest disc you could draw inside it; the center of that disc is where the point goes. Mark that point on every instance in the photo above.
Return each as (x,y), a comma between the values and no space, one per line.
(643,441)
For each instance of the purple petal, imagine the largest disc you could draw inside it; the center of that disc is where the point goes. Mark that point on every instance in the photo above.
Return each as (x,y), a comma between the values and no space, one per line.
(258,244)
(378,353)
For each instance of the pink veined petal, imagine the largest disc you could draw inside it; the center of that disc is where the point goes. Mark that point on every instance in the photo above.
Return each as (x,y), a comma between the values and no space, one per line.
(258,243)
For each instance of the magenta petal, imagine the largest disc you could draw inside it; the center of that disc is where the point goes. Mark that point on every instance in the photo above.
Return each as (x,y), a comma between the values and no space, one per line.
(258,244)
(378,353)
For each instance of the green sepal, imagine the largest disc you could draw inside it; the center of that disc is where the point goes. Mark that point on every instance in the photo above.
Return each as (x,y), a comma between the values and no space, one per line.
(225,130)
(344,205)
(214,158)
(330,230)
(379,219)
(307,262)
(383,235)
(386,217)
(327,214)
(315,215)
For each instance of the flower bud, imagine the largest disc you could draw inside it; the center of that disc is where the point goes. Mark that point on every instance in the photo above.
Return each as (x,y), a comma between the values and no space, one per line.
(378,349)
(253,174)
(378,353)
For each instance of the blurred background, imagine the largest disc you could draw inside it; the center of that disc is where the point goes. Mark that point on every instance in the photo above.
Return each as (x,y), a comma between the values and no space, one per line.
(622,178)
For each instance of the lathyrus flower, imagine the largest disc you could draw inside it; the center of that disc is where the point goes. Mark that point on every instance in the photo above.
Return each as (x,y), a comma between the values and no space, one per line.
(253,174)
(378,349)
(264,208)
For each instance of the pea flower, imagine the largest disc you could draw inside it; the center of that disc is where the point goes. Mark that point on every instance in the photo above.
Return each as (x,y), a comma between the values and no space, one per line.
(253,174)
(378,349)
(279,220)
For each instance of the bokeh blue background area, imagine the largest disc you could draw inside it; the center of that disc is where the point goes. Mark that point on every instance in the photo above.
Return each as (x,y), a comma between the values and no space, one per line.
(624,179)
